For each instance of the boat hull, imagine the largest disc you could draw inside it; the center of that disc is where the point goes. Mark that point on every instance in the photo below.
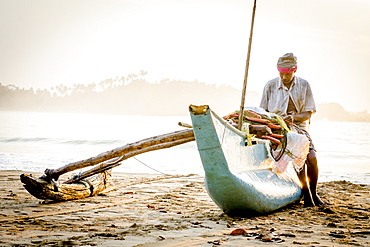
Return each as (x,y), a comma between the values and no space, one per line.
(240,179)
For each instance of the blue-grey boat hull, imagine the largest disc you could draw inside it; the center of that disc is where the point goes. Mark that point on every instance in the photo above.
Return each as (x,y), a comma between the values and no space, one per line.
(241,179)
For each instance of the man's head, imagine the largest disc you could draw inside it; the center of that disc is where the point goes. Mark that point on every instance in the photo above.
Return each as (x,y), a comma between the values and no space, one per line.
(287,66)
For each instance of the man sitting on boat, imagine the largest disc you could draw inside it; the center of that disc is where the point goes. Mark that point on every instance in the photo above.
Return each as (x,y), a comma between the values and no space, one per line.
(291,97)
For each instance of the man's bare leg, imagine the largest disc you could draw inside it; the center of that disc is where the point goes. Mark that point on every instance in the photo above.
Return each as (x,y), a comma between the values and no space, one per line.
(308,201)
(312,176)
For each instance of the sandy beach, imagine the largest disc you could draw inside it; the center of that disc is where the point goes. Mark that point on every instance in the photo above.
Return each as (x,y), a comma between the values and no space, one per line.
(161,210)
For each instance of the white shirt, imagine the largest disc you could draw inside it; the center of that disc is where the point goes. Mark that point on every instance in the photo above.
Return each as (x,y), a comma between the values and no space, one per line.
(275,97)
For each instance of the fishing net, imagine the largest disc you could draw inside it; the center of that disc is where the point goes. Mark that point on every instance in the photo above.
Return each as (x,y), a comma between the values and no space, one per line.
(288,142)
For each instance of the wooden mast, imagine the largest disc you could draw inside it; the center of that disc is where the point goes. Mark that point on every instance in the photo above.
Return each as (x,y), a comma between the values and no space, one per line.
(240,123)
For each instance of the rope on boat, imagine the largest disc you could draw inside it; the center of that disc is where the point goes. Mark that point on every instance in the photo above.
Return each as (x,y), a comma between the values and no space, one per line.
(80,178)
(91,186)
(283,149)
(150,167)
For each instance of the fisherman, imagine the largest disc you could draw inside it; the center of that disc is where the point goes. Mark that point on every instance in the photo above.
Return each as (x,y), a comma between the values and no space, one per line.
(291,97)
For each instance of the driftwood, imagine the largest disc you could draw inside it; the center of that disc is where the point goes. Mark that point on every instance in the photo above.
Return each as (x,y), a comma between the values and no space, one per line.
(44,189)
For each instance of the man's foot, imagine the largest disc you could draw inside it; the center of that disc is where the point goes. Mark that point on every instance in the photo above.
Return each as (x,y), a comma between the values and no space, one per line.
(307,199)
(308,203)
(318,202)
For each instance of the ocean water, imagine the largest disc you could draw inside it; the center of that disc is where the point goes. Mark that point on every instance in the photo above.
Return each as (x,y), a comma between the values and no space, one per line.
(35,141)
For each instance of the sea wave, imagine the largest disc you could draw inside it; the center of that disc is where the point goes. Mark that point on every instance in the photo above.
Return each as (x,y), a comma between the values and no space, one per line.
(19,140)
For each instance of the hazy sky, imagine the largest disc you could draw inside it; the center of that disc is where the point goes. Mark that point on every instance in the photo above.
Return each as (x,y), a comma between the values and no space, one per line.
(44,43)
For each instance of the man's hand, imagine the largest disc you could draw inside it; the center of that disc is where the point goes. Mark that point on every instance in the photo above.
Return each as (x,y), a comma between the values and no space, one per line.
(293,117)
(290,118)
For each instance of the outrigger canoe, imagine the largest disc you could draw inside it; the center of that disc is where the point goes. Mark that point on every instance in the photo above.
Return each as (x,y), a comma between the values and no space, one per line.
(240,179)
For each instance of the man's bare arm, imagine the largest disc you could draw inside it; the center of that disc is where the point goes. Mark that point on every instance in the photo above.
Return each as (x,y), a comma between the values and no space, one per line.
(301,117)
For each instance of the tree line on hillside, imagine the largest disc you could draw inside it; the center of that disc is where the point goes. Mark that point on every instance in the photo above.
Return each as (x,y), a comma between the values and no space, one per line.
(133,95)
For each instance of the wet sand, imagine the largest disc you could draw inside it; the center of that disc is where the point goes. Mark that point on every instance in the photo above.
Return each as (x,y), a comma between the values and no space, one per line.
(156,210)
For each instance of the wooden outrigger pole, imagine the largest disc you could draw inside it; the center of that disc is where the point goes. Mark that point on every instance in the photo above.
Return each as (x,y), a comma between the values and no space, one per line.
(146,145)
(240,122)
(95,180)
